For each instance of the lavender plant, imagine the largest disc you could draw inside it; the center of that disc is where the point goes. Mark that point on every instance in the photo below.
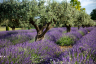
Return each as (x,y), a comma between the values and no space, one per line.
(42,51)
(82,52)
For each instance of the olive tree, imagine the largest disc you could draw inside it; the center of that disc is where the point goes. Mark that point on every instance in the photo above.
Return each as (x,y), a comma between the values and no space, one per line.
(7,13)
(46,21)
(13,12)
(68,16)
(3,15)
(85,19)
(93,14)
(49,17)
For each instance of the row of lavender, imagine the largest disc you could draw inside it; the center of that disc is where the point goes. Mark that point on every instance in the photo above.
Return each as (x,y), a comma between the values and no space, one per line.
(83,52)
(77,34)
(8,38)
(14,37)
(20,52)
(74,34)
(20,36)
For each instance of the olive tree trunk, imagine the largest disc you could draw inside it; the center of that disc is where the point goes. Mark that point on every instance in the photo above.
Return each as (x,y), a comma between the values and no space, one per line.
(39,36)
(40,33)
(68,28)
(83,26)
(78,27)
(13,28)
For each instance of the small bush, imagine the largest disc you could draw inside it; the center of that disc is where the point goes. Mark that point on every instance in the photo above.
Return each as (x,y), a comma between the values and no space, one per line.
(65,41)
(82,33)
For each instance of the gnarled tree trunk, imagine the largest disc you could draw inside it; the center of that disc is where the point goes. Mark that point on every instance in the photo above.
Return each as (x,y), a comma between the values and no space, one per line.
(68,28)
(40,33)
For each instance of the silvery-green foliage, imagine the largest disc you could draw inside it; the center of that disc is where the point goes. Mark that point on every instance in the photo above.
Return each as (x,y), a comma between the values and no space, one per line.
(63,13)
(85,19)
(77,18)
(38,9)
(48,13)
(69,14)
(81,17)
(94,23)
(14,10)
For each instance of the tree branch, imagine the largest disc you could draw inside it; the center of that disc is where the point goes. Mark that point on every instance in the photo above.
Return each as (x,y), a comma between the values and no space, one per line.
(48,26)
(44,26)
(33,23)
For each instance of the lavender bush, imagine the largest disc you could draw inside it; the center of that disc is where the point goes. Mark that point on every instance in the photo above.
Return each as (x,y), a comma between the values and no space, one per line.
(83,52)
(30,52)
(72,37)
(33,52)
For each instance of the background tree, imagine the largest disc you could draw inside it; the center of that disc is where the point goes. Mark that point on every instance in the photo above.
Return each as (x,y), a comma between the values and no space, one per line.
(5,8)
(2,16)
(76,4)
(93,14)
(13,12)
(67,16)
(85,19)
(77,19)
(73,3)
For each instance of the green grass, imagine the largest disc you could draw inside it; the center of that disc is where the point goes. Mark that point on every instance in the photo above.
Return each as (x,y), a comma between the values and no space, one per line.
(10,29)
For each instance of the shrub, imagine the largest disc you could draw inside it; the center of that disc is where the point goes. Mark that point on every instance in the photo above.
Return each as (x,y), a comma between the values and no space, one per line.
(65,41)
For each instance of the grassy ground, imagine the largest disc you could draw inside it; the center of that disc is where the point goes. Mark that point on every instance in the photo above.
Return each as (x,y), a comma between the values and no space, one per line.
(10,29)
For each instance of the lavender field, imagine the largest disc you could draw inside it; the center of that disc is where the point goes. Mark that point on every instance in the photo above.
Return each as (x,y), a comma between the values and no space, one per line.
(19,47)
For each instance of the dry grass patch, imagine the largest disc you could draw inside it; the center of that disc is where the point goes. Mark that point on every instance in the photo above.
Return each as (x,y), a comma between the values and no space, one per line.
(64,48)
(10,29)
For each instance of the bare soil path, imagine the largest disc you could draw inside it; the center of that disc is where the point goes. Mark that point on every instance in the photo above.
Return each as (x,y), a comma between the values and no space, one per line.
(65,48)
